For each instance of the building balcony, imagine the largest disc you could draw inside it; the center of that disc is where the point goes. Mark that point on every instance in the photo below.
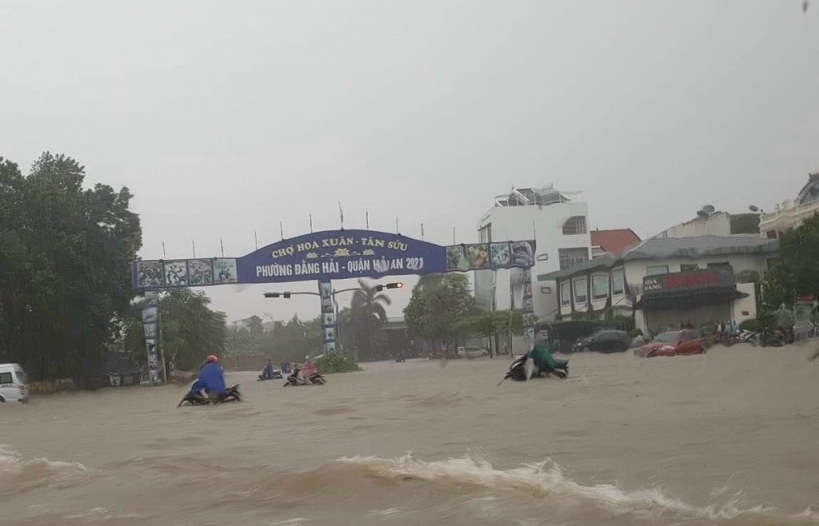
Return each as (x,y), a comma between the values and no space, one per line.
(787,217)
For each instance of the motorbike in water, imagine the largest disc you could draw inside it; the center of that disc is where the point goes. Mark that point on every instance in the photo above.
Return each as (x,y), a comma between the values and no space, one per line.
(519,372)
(232,394)
(294,380)
(277,375)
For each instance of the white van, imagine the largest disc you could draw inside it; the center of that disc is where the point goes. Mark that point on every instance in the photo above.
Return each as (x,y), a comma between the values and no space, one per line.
(13,383)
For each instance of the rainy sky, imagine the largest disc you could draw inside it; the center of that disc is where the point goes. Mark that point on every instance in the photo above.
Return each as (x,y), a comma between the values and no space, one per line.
(227,118)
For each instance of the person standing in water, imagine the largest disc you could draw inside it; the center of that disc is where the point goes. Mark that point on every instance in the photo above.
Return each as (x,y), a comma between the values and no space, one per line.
(267,373)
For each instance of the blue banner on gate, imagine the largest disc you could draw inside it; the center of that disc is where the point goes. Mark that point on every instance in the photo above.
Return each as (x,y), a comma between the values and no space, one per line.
(334,255)
(341,255)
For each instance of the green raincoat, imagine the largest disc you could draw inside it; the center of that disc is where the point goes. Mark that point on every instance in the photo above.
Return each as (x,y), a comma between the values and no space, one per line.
(541,354)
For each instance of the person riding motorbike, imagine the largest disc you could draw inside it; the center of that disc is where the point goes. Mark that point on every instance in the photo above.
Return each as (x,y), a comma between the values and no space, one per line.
(267,373)
(308,369)
(211,379)
(285,367)
(541,355)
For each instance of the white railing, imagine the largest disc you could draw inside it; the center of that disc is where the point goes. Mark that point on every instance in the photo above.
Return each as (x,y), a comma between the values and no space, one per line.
(790,215)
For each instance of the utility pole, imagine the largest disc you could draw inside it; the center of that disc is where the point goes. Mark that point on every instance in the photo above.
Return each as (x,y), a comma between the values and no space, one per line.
(160,340)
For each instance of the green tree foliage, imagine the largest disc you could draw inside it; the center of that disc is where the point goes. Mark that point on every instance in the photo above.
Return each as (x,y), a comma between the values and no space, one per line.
(795,271)
(494,324)
(337,363)
(438,308)
(255,327)
(292,340)
(488,323)
(190,329)
(362,323)
(65,256)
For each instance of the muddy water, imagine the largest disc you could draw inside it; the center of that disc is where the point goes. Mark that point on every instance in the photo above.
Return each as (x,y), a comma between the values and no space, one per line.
(726,438)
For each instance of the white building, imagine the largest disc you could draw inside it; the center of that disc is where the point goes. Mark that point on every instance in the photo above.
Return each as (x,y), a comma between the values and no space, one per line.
(790,215)
(558,224)
(697,279)
(715,223)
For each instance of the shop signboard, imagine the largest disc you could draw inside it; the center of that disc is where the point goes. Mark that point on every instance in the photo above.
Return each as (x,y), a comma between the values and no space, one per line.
(712,278)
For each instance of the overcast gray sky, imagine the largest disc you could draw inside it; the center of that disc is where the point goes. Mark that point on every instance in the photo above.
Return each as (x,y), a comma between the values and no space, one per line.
(225,118)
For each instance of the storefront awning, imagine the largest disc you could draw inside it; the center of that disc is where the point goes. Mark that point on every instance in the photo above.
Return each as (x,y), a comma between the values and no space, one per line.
(689,298)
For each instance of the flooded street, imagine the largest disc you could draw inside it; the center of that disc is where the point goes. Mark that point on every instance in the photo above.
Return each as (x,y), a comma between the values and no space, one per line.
(725,438)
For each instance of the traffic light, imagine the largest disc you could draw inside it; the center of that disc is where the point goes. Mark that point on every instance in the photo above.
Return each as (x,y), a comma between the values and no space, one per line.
(285,295)
(398,285)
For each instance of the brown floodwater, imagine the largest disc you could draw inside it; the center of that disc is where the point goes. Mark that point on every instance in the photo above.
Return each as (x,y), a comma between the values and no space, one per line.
(728,438)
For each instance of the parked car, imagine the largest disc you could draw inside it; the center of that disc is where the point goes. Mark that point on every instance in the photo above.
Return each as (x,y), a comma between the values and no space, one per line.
(472,352)
(13,383)
(672,343)
(607,341)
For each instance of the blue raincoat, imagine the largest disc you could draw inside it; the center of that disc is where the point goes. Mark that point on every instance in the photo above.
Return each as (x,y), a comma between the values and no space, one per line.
(268,370)
(211,379)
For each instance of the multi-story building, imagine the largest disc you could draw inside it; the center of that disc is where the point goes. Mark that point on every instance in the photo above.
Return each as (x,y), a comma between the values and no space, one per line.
(791,214)
(557,223)
(666,281)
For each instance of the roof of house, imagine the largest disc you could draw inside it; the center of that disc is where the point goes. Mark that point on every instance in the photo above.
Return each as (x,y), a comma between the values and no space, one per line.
(614,241)
(117,364)
(605,261)
(675,248)
(701,246)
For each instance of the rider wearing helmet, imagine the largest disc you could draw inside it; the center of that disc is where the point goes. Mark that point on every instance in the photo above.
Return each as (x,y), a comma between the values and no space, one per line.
(211,378)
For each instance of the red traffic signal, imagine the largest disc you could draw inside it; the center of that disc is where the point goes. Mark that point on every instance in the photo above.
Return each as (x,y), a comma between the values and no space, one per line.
(398,285)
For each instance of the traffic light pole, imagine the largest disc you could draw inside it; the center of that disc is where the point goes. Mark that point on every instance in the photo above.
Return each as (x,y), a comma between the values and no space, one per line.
(287,295)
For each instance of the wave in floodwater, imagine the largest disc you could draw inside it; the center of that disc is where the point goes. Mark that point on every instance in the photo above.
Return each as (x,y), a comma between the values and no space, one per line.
(548,480)
(355,490)
(20,476)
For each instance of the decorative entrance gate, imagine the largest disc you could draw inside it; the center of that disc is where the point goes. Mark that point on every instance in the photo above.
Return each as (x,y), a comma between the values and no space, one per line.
(326,256)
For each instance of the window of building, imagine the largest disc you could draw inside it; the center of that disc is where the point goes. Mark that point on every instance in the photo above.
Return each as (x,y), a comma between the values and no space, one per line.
(545,290)
(580,294)
(571,257)
(565,293)
(486,233)
(600,286)
(689,267)
(770,234)
(543,257)
(575,225)
(656,269)
(618,282)
(744,224)
(810,193)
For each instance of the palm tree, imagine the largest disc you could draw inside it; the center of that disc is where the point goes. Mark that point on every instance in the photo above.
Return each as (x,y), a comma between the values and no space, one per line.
(367,316)
(371,301)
